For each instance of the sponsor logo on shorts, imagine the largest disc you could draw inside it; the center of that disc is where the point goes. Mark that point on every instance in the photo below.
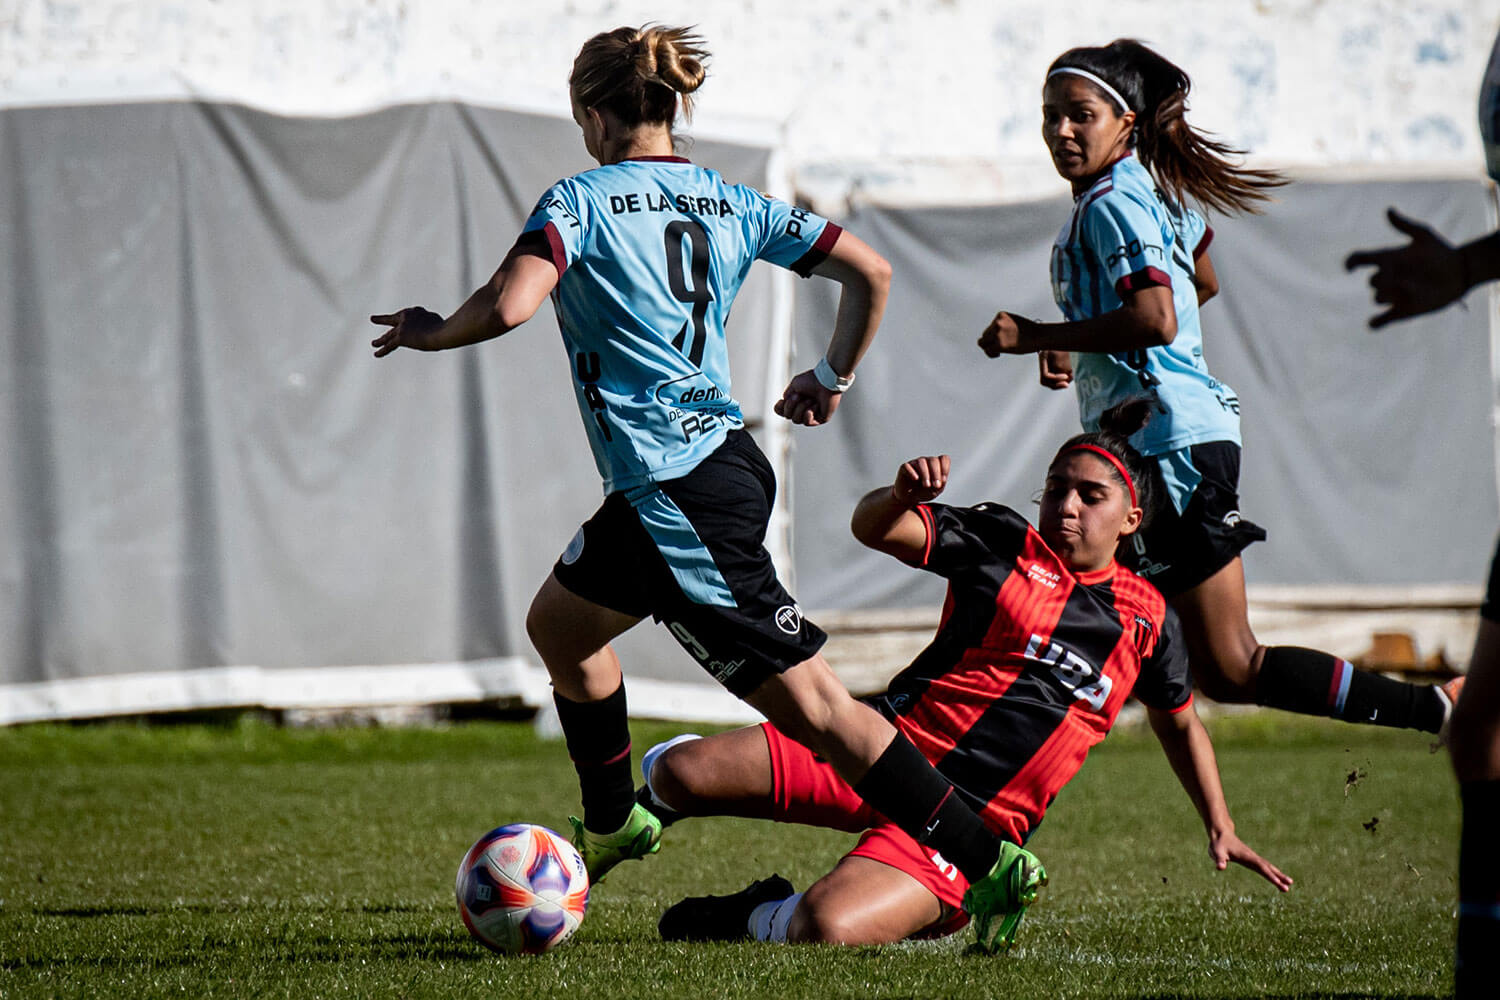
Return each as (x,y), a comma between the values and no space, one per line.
(1150,568)
(789,619)
(1232,519)
(1144,565)
(721,670)
(945,867)
(574,550)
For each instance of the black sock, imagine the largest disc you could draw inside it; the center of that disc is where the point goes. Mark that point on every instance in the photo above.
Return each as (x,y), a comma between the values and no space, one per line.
(904,787)
(1314,683)
(598,737)
(1477,960)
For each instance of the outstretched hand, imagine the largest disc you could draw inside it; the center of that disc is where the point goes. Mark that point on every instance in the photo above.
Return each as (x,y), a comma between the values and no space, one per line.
(921,479)
(1226,847)
(1424,275)
(806,402)
(408,328)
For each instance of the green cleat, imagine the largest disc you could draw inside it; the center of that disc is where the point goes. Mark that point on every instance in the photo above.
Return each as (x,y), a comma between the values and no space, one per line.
(640,836)
(998,901)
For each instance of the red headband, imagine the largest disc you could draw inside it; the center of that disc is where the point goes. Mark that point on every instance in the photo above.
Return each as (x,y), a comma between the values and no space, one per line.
(1112,460)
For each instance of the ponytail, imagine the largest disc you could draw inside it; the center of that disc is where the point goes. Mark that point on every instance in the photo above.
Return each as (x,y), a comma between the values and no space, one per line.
(638,74)
(1186,162)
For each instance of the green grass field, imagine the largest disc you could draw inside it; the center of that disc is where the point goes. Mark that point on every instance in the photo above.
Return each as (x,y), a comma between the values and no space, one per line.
(244,860)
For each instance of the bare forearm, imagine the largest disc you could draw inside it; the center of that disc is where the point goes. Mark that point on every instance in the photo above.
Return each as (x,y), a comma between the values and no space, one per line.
(886,519)
(864,279)
(861,306)
(1191,755)
(1120,330)
(876,514)
(511,297)
(475,321)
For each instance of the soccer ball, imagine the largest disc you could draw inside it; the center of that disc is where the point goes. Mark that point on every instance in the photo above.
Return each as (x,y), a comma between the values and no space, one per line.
(522,889)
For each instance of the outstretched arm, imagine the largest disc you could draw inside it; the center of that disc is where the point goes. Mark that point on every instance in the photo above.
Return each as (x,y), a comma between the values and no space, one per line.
(1427,273)
(886,519)
(1191,753)
(865,277)
(1147,319)
(508,299)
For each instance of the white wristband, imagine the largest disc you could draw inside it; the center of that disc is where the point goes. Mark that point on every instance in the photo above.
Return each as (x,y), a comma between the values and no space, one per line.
(830,379)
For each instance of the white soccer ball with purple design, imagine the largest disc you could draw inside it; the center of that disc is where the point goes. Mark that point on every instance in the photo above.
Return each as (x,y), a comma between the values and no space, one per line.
(522,889)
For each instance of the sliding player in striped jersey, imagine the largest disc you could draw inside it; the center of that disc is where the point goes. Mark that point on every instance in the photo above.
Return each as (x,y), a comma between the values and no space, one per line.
(1043,638)
(642,258)
(1129,271)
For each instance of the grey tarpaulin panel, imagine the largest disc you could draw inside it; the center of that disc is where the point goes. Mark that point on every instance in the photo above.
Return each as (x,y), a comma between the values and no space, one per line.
(1369,457)
(200,463)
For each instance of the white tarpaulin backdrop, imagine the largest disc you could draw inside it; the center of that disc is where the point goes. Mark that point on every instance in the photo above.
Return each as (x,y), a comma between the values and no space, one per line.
(211,491)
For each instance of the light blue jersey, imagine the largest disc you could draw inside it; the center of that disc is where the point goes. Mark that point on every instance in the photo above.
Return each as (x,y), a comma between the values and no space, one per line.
(650,255)
(1121,237)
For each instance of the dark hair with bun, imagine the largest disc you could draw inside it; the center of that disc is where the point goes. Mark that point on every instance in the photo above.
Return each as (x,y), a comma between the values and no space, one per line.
(637,74)
(1116,425)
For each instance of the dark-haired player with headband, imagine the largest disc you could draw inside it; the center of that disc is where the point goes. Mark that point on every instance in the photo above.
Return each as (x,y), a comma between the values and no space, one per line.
(642,258)
(1130,269)
(1043,638)
(1419,277)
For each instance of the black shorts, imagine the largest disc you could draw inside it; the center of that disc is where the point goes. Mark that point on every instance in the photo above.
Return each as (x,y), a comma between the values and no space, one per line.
(1490,609)
(691,553)
(1179,551)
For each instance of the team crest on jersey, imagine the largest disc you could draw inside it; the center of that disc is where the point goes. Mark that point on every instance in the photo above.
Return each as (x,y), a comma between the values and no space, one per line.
(789,619)
(1145,632)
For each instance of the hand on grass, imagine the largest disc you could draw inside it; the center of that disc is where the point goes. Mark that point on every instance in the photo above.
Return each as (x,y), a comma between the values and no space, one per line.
(1226,847)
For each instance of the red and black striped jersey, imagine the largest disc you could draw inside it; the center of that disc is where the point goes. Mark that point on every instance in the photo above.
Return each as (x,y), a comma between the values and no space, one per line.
(1031,663)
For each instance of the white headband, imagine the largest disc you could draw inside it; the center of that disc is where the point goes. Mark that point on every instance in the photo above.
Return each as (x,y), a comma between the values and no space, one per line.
(1097,81)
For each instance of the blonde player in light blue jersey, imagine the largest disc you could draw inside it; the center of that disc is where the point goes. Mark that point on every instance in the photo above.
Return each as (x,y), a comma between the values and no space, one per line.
(1129,270)
(642,258)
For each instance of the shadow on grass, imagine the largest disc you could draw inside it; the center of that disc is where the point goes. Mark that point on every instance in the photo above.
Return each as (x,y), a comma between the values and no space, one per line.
(381,948)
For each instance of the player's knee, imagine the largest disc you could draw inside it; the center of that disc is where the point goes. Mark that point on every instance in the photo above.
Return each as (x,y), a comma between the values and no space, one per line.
(818,923)
(538,625)
(1226,684)
(677,777)
(1226,672)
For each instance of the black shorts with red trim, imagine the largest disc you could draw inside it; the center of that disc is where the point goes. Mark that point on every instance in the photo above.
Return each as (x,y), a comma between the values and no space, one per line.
(691,553)
(1177,552)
